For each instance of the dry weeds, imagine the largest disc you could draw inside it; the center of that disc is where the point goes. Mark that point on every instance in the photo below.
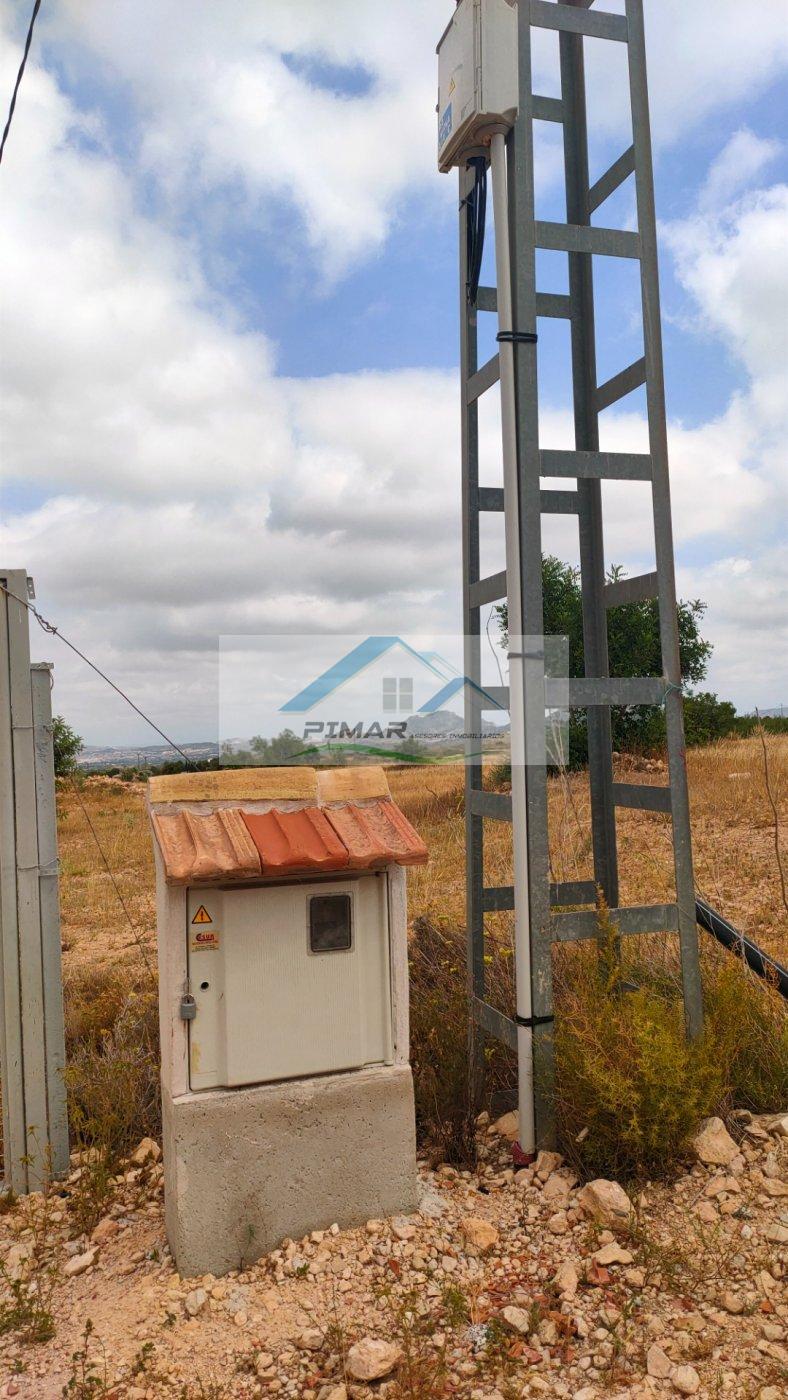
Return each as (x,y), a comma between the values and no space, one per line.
(733,832)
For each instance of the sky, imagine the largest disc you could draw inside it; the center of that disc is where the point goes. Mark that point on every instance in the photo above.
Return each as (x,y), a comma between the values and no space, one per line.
(229,362)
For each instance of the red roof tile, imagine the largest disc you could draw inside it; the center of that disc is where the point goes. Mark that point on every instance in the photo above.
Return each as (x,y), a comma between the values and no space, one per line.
(292,841)
(229,844)
(377,835)
(364,847)
(405,846)
(210,846)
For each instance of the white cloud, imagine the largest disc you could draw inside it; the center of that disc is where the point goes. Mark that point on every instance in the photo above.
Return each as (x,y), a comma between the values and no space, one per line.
(231,103)
(238,102)
(699,63)
(194,493)
(731,259)
(737,167)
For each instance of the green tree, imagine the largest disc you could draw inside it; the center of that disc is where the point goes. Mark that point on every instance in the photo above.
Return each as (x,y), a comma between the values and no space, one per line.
(634,650)
(67,745)
(283,748)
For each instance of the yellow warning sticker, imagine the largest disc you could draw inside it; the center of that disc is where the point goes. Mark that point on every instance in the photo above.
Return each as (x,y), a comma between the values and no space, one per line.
(202,916)
(205,941)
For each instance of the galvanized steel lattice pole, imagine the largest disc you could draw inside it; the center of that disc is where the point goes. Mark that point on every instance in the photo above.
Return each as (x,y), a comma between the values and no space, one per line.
(556,912)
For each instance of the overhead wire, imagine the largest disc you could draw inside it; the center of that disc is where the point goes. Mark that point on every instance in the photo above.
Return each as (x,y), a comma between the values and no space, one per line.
(19,76)
(55,632)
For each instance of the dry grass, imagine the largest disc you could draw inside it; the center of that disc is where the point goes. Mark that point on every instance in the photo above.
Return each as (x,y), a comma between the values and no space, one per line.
(733,830)
(110,978)
(733,835)
(95,927)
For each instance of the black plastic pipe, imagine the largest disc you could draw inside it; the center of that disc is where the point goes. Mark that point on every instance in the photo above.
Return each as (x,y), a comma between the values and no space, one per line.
(730,938)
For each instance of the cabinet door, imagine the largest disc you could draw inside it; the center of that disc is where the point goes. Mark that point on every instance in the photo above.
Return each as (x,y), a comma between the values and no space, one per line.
(303,991)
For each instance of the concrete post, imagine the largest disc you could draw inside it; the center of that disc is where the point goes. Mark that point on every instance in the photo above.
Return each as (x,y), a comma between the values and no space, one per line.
(35,1132)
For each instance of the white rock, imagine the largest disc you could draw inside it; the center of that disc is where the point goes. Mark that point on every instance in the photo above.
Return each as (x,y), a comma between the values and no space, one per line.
(148,1151)
(431,1203)
(606,1202)
(775,1188)
(338,1393)
(311,1340)
(776,1234)
(658,1364)
(105,1230)
(371,1359)
(686,1380)
(558,1186)
(566,1279)
(479,1233)
(714,1145)
(613,1254)
(80,1263)
(195,1301)
(402,1228)
(546,1163)
(17,1261)
(518,1319)
(508,1126)
(780,1126)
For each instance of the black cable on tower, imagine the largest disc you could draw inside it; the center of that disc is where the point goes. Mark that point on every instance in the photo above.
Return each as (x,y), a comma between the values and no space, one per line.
(476,214)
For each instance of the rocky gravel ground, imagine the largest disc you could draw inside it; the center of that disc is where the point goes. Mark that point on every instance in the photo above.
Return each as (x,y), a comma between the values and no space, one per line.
(507,1283)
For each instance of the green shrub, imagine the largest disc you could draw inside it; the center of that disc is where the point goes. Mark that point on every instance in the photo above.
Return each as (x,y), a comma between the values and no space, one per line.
(630,1089)
(66,744)
(748,1023)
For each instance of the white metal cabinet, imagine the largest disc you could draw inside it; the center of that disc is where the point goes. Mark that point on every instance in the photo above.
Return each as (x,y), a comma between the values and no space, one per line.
(268,1007)
(478,77)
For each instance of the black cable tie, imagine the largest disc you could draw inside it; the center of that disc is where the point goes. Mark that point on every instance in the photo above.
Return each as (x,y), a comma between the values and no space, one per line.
(529,1022)
(517,337)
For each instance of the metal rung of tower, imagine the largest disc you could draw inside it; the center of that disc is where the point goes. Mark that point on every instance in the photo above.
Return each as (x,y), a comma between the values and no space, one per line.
(550,915)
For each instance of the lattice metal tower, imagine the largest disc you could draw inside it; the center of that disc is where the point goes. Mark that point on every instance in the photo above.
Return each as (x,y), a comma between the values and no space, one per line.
(546,913)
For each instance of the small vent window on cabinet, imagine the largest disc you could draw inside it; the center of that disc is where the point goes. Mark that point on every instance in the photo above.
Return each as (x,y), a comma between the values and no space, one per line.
(330,923)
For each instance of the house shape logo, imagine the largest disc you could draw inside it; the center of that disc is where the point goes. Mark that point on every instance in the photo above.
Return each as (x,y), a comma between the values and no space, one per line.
(388,676)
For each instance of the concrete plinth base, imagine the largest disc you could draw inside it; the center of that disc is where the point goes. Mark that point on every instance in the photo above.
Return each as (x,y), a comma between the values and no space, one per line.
(245,1168)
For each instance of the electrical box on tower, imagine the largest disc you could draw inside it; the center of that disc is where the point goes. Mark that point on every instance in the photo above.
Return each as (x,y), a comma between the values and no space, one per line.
(477,76)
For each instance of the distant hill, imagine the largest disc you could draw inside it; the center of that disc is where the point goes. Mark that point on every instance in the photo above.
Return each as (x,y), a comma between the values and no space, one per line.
(436,728)
(92,756)
(444,723)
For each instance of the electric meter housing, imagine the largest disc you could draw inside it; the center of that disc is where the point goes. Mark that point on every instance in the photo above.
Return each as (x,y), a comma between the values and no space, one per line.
(478,79)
